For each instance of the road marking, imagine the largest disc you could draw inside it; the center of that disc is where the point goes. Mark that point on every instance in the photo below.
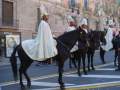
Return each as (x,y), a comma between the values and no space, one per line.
(95,76)
(52,85)
(96,85)
(48,84)
(49,76)
(46,89)
(102,76)
(105,69)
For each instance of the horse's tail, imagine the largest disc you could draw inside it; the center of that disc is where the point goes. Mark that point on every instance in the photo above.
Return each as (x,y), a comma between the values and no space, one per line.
(13,61)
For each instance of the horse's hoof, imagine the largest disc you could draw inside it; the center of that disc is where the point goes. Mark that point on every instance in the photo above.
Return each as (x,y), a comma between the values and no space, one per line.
(85,73)
(93,68)
(62,87)
(29,86)
(70,67)
(23,87)
(88,69)
(61,84)
(79,74)
(76,67)
(16,78)
(104,62)
(115,64)
(117,69)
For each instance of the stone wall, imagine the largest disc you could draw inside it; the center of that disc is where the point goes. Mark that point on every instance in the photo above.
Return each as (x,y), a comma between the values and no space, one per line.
(57,19)
(27,16)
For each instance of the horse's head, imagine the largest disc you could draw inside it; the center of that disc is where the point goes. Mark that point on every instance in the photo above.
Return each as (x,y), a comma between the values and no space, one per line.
(96,37)
(70,38)
(102,37)
(81,34)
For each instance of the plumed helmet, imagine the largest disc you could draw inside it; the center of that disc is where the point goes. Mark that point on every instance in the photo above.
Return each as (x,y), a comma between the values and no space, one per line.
(43,10)
(84,21)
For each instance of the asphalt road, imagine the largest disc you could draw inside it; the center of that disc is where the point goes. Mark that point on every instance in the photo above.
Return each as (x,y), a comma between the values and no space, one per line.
(44,77)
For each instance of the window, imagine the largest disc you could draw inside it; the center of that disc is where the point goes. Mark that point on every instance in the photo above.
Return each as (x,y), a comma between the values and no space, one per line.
(71,3)
(38,18)
(7,13)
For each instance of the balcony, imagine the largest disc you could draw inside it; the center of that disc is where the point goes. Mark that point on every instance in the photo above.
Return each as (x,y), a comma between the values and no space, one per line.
(8,24)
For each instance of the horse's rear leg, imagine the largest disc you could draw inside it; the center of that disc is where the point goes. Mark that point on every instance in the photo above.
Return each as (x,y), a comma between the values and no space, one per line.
(115,60)
(60,69)
(102,53)
(21,69)
(88,56)
(92,55)
(84,66)
(26,75)
(72,61)
(79,64)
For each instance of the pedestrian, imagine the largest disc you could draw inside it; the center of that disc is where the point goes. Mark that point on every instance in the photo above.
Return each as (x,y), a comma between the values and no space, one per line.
(118,50)
(108,37)
(43,46)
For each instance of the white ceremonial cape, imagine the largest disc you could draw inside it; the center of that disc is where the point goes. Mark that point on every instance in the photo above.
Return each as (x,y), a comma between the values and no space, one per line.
(75,47)
(43,46)
(108,37)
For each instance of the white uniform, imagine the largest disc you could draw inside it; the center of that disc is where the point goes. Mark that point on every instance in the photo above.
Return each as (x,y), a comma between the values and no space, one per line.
(108,37)
(43,46)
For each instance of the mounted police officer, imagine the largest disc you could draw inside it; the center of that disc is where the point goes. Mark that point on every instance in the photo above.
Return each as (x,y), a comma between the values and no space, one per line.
(43,46)
(71,27)
(84,42)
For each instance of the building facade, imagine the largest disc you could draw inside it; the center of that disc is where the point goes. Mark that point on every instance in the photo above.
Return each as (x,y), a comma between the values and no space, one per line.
(23,16)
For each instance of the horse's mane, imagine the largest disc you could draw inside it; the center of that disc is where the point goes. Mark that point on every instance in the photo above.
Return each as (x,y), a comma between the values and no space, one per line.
(68,36)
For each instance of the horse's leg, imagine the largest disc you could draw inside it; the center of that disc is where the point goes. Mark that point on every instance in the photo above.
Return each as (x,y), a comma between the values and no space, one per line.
(60,69)
(116,54)
(102,53)
(79,64)
(88,56)
(83,60)
(21,69)
(70,61)
(74,62)
(92,55)
(25,73)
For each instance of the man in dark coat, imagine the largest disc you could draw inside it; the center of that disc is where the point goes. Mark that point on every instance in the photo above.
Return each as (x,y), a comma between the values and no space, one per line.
(118,49)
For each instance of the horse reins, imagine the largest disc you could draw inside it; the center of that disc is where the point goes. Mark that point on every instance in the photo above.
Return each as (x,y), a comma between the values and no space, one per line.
(64,45)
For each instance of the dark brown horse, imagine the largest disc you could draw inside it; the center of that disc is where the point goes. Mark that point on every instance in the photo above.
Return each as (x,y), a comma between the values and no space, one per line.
(64,44)
(94,39)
